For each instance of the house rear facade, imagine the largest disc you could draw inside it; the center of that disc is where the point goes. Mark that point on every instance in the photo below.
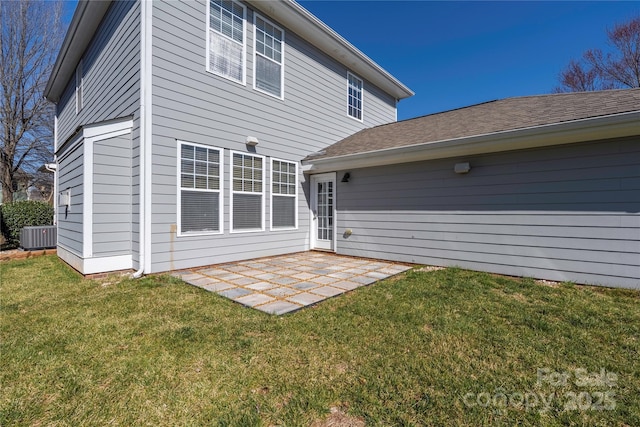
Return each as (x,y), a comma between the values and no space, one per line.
(202,132)
(180,128)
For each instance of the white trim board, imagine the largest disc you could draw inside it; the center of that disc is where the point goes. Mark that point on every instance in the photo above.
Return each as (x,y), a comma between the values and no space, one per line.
(95,265)
(584,130)
(89,136)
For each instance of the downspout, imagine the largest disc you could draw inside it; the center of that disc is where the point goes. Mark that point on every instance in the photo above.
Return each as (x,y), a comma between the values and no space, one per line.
(53,167)
(145,132)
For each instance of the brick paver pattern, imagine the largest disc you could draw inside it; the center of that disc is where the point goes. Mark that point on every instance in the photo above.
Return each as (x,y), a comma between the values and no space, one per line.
(286,283)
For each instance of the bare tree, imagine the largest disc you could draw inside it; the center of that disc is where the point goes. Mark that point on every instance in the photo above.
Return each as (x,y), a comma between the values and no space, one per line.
(29,41)
(616,69)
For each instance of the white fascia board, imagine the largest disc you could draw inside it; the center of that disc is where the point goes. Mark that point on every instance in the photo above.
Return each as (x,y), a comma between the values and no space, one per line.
(584,130)
(296,18)
(85,21)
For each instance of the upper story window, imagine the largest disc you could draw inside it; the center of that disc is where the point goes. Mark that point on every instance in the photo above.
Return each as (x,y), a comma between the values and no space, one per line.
(354,86)
(79,87)
(269,57)
(226,42)
(200,189)
(247,192)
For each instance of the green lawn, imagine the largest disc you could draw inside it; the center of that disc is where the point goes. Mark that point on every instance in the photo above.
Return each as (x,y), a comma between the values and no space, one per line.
(448,347)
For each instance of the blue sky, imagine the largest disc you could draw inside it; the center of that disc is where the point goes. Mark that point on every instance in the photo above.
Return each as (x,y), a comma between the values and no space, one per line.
(453,54)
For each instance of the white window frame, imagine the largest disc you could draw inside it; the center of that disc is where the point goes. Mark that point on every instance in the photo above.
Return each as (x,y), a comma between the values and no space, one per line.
(208,30)
(179,232)
(255,53)
(79,88)
(351,75)
(232,192)
(295,195)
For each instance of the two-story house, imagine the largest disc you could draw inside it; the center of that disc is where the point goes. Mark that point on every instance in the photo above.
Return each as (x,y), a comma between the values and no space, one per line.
(180,127)
(201,132)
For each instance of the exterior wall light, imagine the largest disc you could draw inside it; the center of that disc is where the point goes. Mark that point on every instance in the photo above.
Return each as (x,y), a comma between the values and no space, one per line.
(462,168)
(346,177)
(252,141)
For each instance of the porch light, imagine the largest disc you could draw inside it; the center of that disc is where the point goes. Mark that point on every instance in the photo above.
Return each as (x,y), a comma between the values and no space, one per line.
(345,177)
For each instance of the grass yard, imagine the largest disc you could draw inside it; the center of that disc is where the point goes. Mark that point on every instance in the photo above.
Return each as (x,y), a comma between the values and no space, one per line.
(448,347)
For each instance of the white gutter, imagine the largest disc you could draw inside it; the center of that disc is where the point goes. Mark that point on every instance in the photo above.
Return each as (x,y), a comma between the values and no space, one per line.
(144,225)
(591,129)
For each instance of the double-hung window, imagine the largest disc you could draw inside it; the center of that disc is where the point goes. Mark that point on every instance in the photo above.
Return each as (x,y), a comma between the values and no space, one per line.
(247,192)
(200,189)
(354,96)
(269,57)
(284,200)
(226,40)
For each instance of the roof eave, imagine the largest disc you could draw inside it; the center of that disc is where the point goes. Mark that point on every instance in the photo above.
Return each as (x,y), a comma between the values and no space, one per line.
(583,130)
(85,21)
(303,23)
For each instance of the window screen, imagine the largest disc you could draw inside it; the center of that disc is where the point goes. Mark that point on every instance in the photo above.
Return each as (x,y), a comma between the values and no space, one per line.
(247,191)
(226,39)
(269,61)
(200,189)
(354,96)
(283,194)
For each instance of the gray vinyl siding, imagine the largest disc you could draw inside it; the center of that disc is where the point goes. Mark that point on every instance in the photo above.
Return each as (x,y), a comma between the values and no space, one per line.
(111,69)
(112,197)
(69,219)
(193,105)
(567,213)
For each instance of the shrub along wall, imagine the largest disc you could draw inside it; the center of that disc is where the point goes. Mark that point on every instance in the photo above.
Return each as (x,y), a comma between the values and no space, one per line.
(26,213)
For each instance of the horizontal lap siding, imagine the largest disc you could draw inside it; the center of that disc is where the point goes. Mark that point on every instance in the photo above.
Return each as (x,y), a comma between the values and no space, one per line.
(111,68)
(564,213)
(192,105)
(112,197)
(71,178)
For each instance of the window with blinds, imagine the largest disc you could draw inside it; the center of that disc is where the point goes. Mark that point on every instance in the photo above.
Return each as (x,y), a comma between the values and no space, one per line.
(200,189)
(247,192)
(354,96)
(284,194)
(226,44)
(269,57)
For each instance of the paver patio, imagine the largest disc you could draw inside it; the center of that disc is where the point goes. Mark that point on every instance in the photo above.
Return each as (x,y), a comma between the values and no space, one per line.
(282,284)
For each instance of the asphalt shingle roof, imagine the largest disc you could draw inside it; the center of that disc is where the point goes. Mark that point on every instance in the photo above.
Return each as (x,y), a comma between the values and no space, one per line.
(486,118)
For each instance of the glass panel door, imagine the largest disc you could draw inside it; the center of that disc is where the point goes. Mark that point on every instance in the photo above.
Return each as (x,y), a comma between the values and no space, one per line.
(323,210)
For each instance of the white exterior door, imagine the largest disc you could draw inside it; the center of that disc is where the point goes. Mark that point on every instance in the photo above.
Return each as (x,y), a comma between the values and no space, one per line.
(323,211)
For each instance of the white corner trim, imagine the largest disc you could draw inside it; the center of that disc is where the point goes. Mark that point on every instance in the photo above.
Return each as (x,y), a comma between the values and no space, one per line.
(87,200)
(584,130)
(89,136)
